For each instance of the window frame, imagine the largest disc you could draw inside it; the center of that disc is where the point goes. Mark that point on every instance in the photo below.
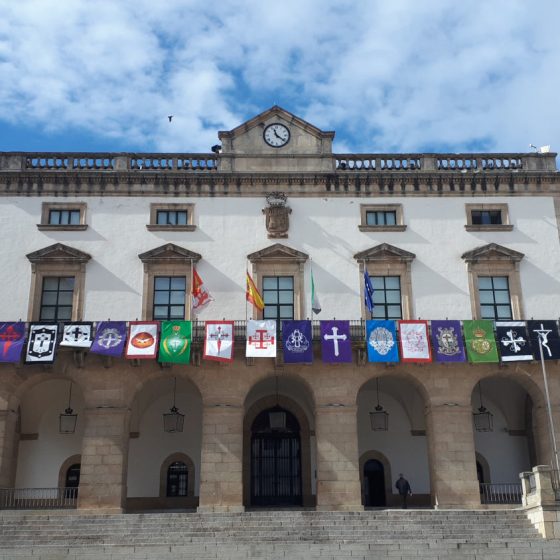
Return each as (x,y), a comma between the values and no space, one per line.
(399,218)
(501,207)
(176,458)
(47,207)
(156,207)
(386,317)
(494,305)
(168,305)
(58,292)
(278,290)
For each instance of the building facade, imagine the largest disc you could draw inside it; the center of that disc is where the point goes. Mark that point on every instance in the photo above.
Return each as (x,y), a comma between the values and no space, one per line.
(116,236)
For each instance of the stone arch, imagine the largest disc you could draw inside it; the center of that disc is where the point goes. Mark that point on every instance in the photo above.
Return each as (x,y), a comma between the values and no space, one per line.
(377,456)
(481,460)
(173,458)
(72,460)
(305,436)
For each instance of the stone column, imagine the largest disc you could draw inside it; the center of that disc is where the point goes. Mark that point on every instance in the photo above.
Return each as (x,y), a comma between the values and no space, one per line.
(104,459)
(8,448)
(452,456)
(541,432)
(338,470)
(221,462)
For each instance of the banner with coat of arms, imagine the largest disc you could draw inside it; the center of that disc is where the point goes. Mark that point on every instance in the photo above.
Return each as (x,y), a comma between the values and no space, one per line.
(261,339)
(480,342)
(415,345)
(381,341)
(41,345)
(175,342)
(298,342)
(142,340)
(110,338)
(12,339)
(447,341)
(218,341)
(77,335)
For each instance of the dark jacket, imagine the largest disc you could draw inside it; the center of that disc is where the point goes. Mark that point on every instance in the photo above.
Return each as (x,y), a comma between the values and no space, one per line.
(402,486)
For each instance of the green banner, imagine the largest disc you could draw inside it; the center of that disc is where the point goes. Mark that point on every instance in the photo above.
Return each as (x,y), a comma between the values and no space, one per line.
(480,342)
(175,342)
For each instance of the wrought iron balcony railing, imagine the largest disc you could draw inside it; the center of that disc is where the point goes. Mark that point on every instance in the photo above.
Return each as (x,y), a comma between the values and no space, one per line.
(38,498)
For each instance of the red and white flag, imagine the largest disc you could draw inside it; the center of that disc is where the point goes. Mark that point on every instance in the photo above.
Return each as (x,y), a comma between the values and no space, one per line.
(415,346)
(261,339)
(142,340)
(200,295)
(218,342)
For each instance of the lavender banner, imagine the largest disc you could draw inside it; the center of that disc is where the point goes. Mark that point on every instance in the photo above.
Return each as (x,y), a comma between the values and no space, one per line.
(447,341)
(12,338)
(109,338)
(336,346)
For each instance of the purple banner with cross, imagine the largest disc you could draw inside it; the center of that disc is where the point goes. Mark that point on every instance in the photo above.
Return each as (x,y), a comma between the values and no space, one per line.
(110,338)
(336,346)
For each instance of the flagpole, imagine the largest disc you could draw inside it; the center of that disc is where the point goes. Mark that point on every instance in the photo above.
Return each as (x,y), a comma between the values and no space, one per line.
(548,407)
(246,280)
(191,291)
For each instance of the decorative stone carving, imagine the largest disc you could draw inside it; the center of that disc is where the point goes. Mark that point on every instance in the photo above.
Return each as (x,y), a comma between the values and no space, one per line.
(277,215)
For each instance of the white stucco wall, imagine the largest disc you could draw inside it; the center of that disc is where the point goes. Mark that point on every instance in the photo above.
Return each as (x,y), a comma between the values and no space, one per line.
(228,229)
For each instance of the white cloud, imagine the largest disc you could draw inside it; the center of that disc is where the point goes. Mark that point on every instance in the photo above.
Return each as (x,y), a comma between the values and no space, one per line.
(387,76)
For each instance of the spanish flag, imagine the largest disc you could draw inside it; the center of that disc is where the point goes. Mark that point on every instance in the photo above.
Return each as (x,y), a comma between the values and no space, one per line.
(252,295)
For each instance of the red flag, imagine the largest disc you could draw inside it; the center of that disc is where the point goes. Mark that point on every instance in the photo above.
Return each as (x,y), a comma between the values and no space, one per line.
(200,295)
(252,294)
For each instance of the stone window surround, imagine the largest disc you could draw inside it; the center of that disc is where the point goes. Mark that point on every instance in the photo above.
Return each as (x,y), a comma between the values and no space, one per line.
(494,260)
(73,460)
(175,207)
(167,260)
(397,208)
(173,458)
(57,260)
(280,260)
(386,260)
(46,207)
(502,208)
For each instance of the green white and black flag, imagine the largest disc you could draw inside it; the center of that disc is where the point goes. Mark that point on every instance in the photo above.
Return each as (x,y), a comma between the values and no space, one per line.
(315,304)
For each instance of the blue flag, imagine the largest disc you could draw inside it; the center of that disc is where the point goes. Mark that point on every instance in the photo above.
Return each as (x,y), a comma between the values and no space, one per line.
(381,341)
(297,342)
(368,292)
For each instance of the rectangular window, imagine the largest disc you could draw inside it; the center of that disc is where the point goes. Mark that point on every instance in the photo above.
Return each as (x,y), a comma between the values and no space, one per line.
(386,297)
(486,217)
(56,298)
(278,296)
(172,218)
(495,302)
(68,217)
(381,218)
(169,298)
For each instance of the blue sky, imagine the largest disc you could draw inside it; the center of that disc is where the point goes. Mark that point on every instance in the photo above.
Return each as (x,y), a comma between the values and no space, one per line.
(386,75)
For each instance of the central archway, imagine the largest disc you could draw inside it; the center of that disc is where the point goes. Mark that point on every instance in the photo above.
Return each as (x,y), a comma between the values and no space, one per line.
(276,459)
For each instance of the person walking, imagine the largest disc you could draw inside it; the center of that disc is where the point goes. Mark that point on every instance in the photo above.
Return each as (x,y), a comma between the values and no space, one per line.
(403,487)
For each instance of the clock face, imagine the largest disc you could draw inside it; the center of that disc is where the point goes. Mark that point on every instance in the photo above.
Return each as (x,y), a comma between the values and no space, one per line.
(276,135)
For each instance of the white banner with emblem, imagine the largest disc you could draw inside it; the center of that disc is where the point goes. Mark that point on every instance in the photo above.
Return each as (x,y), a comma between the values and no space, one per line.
(261,339)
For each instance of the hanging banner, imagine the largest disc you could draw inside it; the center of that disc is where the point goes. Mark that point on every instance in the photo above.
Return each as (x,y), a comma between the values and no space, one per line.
(261,339)
(218,341)
(515,345)
(447,341)
(175,342)
(77,335)
(297,340)
(480,342)
(142,340)
(336,345)
(110,338)
(414,342)
(381,341)
(12,338)
(547,333)
(41,345)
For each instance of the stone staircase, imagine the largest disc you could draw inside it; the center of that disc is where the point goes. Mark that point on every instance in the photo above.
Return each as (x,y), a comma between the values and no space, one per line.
(294,535)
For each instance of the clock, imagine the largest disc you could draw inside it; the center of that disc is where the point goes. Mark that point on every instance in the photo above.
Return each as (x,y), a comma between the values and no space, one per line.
(276,135)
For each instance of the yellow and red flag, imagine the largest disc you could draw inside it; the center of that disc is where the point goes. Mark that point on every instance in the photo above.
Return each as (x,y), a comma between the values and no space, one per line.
(200,295)
(253,295)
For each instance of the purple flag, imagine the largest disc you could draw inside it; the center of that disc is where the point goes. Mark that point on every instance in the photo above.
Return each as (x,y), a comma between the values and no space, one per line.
(336,346)
(447,341)
(109,338)
(297,341)
(12,337)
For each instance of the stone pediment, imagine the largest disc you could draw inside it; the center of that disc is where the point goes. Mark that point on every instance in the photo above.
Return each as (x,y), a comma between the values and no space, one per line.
(385,252)
(278,253)
(58,254)
(169,253)
(492,252)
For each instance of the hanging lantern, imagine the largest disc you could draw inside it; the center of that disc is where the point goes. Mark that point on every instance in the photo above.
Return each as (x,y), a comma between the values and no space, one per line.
(173,420)
(379,418)
(483,419)
(67,420)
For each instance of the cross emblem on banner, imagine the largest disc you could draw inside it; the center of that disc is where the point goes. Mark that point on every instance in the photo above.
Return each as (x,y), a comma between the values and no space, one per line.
(514,341)
(262,340)
(218,336)
(335,337)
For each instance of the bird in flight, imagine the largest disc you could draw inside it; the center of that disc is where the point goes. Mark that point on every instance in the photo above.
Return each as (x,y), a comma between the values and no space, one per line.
(170,117)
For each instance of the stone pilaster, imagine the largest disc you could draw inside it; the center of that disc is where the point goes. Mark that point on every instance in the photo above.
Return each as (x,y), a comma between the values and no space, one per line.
(338,471)
(221,462)
(8,448)
(452,456)
(104,459)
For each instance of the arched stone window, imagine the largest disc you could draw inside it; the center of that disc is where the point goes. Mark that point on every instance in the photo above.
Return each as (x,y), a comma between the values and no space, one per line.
(69,473)
(177,476)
